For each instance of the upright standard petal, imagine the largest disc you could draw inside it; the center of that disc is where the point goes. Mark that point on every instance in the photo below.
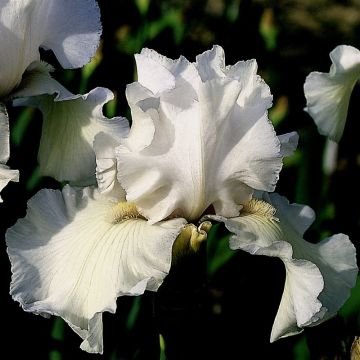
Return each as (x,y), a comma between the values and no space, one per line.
(70,123)
(75,252)
(328,95)
(197,141)
(6,174)
(71,29)
(318,276)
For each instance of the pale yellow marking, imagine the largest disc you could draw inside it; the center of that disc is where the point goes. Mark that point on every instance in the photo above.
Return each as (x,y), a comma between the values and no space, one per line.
(259,207)
(123,211)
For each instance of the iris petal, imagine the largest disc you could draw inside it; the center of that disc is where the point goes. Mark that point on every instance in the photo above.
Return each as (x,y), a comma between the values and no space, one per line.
(72,257)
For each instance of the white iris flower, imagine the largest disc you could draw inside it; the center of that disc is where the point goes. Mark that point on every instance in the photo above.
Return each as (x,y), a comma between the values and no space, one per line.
(71,29)
(328,94)
(201,143)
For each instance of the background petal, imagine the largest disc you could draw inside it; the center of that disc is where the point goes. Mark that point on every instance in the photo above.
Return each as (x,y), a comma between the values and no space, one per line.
(70,123)
(71,29)
(69,258)
(328,94)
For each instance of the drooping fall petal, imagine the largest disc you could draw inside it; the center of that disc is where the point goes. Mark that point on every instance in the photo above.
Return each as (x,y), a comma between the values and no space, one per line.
(75,252)
(318,276)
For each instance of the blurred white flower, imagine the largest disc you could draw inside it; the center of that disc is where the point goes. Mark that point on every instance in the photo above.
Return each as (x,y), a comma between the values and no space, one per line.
(328,94)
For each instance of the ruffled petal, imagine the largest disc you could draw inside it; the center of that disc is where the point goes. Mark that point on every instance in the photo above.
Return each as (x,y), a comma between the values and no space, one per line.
(106,166)
(71,29)
(289,143)
(334,256)
(72,256)
(318,276)
(6,174)
(70,125)
(159,73)
(192,141)
(4,135)
(37,81)
(328,94)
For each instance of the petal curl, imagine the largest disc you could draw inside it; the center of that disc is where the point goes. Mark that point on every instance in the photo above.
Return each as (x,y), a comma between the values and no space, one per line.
(106,166)
(6,174)
(328,94)
(289,143)
(71,29)
(208,141)
(318,276)
(70,125)
(72,257)
(4,135)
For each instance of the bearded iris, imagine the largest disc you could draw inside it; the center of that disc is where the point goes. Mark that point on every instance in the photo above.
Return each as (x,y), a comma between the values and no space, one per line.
(200,143)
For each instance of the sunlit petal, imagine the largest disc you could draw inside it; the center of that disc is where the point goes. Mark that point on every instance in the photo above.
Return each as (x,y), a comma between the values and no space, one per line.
(106,165)
(192,143)
(328,94)
(71,29)
(74,253)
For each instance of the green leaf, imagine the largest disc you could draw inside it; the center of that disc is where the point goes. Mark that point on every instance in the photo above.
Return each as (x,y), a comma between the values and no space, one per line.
(55,355)
(34,179)
(268,29)
(301,350)
(133,313)
(21,125)
(143,6)
(352,306)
